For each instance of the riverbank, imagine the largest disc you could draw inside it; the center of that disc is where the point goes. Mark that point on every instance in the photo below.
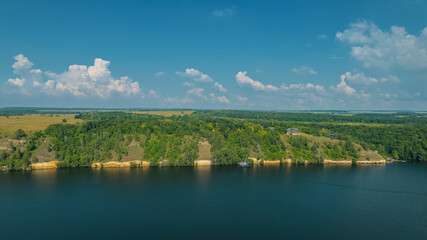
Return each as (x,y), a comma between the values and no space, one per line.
(349,162)
(140,163)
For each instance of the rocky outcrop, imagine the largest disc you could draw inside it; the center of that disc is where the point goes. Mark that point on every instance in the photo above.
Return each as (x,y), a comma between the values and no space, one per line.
(271,162)
(44,165)
(372,162)
(202,163)
(115,164)
(327,161)
(287,161)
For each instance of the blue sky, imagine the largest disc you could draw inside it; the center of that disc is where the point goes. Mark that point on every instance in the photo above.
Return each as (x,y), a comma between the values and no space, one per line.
(278,55)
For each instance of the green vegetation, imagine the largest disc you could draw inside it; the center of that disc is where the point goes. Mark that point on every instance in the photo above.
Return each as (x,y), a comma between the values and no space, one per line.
(17,158)
(225,137)
(303,150)
(19,134)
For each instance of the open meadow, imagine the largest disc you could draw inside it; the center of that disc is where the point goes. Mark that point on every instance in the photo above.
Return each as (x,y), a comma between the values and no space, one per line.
(32,123)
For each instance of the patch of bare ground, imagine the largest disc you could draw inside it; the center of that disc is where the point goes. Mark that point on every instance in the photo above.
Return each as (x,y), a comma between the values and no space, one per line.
(5,143)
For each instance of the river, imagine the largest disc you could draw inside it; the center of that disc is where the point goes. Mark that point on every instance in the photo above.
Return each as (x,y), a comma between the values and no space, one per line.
(271,202)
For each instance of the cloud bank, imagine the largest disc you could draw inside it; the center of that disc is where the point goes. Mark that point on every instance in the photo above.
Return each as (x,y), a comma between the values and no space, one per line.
(385,49)
(79,80)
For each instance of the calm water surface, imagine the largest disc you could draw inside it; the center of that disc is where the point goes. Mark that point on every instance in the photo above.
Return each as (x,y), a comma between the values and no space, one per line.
(297,202)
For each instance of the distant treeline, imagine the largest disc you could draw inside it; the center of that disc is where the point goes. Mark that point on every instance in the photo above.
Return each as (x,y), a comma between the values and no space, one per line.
(115,115)
(25,111)
(16,112)
(385,118)
(19,111)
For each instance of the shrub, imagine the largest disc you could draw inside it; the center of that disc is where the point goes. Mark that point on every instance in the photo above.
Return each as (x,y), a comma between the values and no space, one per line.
(20,134)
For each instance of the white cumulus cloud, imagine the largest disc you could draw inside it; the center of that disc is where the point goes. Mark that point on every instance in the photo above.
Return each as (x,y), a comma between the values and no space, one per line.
(300,86)
(188,84)
(153,94)
(385,49)
(22,64)
(78,80)
(197,92)
(304,69)
(342,87)
(17,81)
(124,85)
(196,75)
(219,87)
(360,78)
(221,99)
(99,71)
(242,79)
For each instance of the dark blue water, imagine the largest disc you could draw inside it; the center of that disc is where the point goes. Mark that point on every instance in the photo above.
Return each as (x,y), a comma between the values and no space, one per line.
(297,202)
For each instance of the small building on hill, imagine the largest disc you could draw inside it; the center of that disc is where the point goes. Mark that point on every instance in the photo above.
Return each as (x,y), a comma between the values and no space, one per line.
(334,136)
(272,128)
(293,131)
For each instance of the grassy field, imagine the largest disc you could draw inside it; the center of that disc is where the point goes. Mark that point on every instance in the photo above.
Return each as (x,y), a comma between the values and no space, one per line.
(135,152)
(166,113)
(204,150)
(32,123)
(43,155)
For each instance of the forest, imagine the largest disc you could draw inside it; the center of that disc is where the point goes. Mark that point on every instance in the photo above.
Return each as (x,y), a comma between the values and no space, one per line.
(233,136)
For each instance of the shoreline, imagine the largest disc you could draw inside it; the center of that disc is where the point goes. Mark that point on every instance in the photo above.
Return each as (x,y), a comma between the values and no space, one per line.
(197,163)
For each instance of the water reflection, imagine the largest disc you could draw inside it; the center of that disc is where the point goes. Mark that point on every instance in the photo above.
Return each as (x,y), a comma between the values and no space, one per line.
(44,178)
(203,175)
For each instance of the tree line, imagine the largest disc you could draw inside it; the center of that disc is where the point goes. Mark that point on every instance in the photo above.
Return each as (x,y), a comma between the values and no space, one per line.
(106,136)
